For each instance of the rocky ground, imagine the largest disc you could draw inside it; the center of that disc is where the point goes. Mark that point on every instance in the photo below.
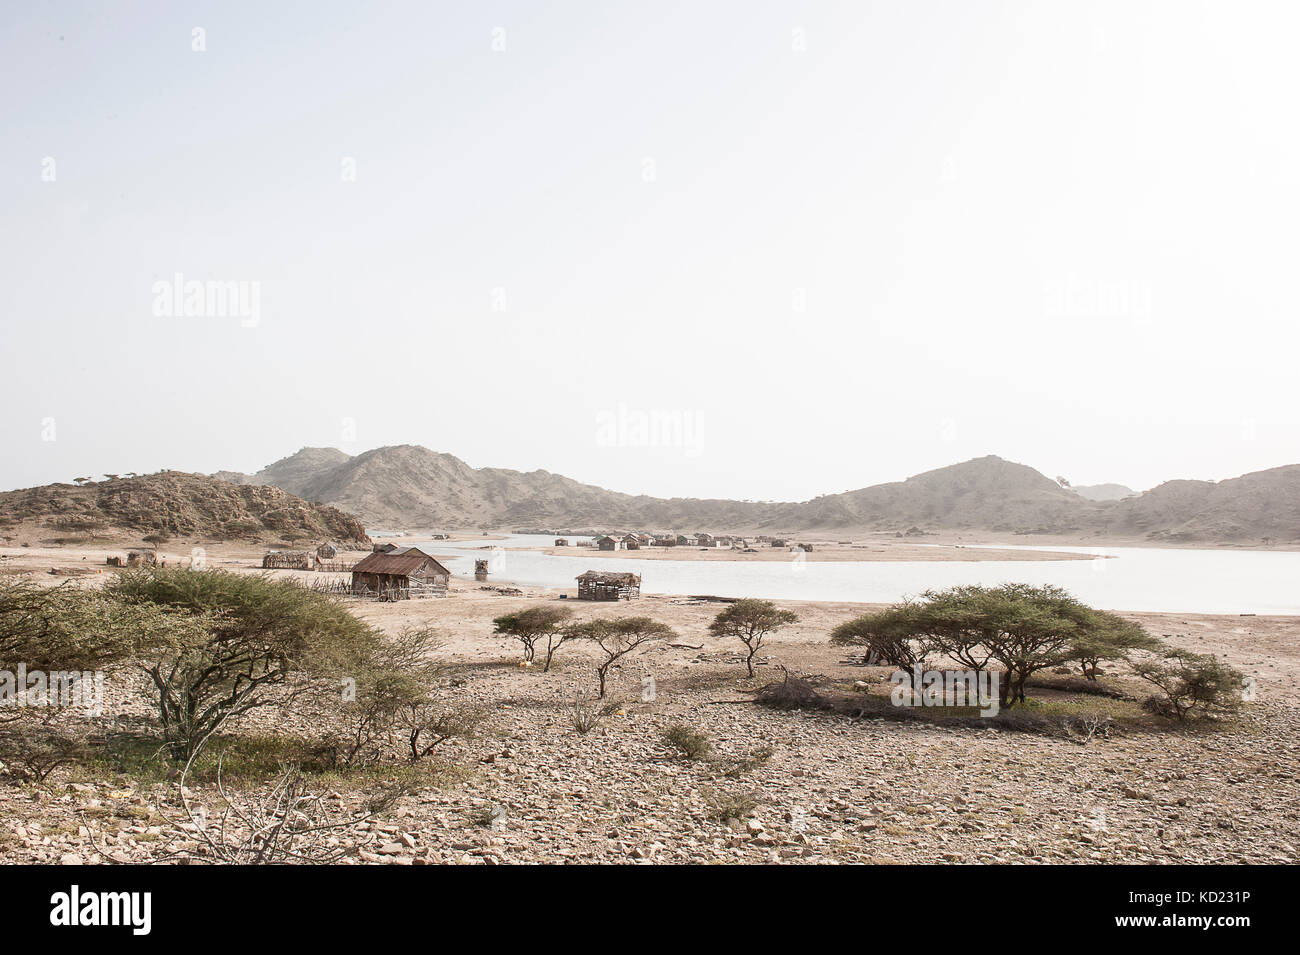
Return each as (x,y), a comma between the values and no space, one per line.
(834,789)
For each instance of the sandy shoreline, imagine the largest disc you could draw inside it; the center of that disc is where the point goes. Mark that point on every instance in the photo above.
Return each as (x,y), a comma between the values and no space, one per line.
(820,552)
(1268,646)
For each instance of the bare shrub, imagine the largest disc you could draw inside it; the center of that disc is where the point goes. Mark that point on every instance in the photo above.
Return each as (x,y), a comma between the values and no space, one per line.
(288,824)
(792,693)
(31,751)
(733,767)
(585,715)
(400,701)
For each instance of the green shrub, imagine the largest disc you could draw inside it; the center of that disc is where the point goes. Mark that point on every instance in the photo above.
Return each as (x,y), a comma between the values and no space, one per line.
(1192,685)
(689,744)
(726,806)
(226,639)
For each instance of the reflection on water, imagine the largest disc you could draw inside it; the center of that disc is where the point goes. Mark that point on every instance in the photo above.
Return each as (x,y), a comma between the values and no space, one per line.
(1131,578)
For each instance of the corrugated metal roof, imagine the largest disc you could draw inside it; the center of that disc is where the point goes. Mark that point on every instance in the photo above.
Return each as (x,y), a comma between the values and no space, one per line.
(403,565)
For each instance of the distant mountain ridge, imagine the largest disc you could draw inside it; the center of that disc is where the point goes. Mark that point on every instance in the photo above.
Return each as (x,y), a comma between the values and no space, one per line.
(412,486)
(1103,492)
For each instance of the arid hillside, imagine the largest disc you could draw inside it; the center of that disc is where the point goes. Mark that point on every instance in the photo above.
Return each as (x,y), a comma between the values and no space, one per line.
(175,504)
(411,486)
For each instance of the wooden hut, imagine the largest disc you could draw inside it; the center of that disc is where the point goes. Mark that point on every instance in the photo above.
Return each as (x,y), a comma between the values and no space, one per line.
(561,542)
(604,585)
(411,574)
(608,543)
(329,551)
(141,558)
(480,569)
(630,542)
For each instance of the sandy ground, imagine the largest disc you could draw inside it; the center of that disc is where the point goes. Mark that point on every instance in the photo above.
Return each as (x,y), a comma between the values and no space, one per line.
(1266,646)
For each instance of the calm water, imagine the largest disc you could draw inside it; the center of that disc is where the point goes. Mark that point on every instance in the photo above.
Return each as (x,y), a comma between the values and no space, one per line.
(1131,578)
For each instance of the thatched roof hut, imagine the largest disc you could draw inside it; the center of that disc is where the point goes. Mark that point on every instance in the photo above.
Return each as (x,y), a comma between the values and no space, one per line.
(287,560)
(607,585)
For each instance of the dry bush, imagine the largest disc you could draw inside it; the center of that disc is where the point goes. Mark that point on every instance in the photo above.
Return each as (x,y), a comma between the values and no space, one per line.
(792,693)
(30,751)
(733,767)
(289,823)
(726,806)
(585,715)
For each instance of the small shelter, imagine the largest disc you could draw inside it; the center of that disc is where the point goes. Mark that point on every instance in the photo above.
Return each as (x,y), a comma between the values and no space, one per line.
(561,542)
(142,558)
(604,585)
(608,543)
(329,551)
(480,569)
(630,542)
(286,560)
(387,548)
(405,576)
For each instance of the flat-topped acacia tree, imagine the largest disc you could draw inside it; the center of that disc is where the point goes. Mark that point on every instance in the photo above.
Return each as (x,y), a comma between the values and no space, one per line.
(1022,628)
(618,637)
(750,621)
(535,626)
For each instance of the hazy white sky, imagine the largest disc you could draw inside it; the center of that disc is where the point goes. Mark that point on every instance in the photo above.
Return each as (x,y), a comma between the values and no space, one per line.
(740,249)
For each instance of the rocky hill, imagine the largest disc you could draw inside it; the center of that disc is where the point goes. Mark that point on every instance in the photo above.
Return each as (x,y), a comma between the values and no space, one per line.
(175,504)
(1262,504)
(410,486)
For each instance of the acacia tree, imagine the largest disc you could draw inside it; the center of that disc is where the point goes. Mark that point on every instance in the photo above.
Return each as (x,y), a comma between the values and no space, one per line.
(888,636)
(1024,628)
(534,626)
(1027,629)
(618,637)
(750,621)
(1108,637)
(230,638)
(64,628)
